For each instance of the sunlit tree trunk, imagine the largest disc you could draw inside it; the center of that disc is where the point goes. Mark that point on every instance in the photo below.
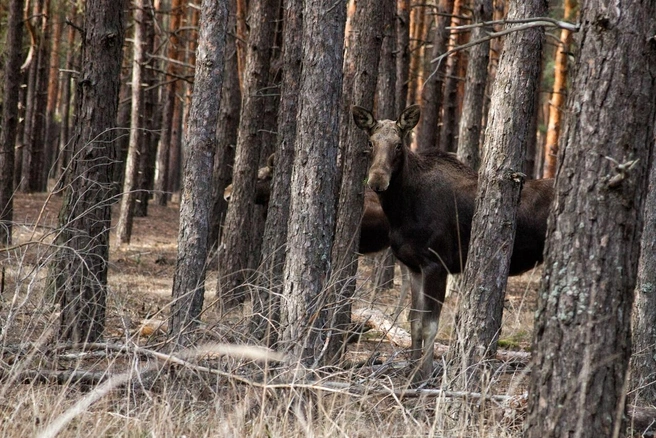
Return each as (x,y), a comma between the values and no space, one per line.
(557,102)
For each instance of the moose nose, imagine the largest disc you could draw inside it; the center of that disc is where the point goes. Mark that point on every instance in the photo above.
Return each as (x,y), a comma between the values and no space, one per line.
(227,193)
(378,182)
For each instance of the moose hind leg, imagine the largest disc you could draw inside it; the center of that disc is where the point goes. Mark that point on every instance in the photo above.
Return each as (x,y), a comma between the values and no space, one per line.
(415,318)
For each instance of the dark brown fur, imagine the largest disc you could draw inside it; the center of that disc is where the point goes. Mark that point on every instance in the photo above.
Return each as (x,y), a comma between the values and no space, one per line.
(429,202)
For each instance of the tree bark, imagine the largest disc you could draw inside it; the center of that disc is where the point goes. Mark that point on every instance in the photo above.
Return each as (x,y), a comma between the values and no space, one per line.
(237,235)
(200,144)
(226,136)
(478,321)
(432,97)
(312,212)
(266,305)
(12,78)
(369,23)
(51,125)
(557,102)
(402,54)
(472,110)
(582,336)
(135,146)
(80,268)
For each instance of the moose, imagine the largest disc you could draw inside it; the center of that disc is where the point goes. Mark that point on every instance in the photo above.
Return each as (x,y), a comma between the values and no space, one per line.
(429,201)
(374,228)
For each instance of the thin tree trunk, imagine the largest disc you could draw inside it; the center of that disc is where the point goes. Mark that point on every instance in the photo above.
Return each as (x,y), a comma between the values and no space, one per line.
(402,54)
(416,46)
(582,339)
(175,145)
(161,174)
(51,126)
(266,304)
(469,136)
(200,143)
(79,271)
(312,219)
(12,78)
(431,97)
(135,148)
(557,102)
(234,256)
(499,188)
(226,136)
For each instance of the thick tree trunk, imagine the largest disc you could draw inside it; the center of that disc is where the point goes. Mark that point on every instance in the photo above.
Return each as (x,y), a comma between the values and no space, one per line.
(80,267)
(200,144)
(369,23)
(266,304)
(472,110)
(557,102)
(135,146)
(237,235)
(312,219)
(431,97)
(8,132)
(582,339)
(478,321)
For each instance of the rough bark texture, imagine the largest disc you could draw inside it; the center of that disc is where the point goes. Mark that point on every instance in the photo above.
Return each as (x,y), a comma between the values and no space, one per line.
(557,102)
(478,321)
(312,212)
(643,361)
(80,268)
(402,53)
(226,133)
(12,78)
(369,23)
(431,97)
(266,305)
(472,106)
(237,235)
(135,146)
(200,146)
(582,334)
(51,127)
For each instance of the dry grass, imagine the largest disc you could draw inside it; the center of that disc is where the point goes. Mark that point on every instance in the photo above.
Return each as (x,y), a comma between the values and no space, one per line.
(129,386)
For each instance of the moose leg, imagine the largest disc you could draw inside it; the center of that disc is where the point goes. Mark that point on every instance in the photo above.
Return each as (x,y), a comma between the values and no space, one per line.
(433,291)
(415,316)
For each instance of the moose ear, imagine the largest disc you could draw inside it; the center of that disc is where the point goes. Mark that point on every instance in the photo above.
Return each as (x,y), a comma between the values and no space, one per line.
(409,118)
(271,160)
(363,119)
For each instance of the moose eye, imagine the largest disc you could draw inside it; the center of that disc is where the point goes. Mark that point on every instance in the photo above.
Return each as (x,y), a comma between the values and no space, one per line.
(398,147)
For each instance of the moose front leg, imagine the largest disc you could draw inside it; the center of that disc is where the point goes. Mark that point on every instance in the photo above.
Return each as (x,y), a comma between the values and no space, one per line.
(433,292)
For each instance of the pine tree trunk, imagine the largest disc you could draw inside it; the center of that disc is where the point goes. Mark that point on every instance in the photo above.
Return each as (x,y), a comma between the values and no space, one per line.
(582,339)
(79,271)
(135,147)
(369,23)
(51,125)
(402,54)
(8,132)
(266,304)
(200,144)
(478,321)
(312,219)
(469,135)
(237,235)
(557,102)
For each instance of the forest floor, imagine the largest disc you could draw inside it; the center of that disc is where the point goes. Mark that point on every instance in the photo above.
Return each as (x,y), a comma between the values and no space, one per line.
(219,394)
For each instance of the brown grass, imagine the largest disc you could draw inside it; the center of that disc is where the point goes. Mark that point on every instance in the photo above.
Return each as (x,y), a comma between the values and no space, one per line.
(128,386)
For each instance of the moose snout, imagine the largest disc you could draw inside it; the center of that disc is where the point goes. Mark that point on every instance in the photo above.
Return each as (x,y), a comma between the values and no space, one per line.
(378,182)
(227,193)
